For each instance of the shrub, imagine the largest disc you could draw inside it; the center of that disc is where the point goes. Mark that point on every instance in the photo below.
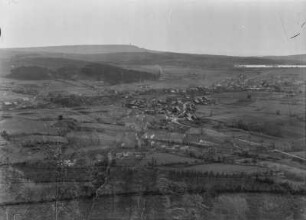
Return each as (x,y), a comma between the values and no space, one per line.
(5,135)
(30,73)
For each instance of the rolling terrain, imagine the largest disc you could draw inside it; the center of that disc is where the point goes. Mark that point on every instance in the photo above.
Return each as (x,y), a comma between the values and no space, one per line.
(124,132)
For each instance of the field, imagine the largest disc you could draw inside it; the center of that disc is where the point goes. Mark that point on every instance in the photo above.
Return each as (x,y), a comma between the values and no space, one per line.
(226,168)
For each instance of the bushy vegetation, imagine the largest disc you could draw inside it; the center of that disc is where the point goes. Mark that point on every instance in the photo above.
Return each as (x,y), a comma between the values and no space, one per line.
(31,73)
(241,182)
(67,72)
(262,127)
(5,135)
(114,75)
(100,72)
(79,100)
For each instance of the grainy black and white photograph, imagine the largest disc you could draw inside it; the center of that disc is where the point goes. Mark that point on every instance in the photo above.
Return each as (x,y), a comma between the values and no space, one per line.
(152,109)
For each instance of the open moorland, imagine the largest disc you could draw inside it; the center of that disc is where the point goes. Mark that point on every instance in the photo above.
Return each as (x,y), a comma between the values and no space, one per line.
(127,133)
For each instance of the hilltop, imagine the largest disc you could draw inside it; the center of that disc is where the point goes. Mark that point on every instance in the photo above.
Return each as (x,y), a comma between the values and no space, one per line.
(81,49)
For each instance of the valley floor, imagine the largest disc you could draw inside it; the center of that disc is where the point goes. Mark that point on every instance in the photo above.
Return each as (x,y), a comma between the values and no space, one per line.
(232,150)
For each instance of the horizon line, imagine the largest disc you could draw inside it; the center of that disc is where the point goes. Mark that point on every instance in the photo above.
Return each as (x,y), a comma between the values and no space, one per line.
(148,50)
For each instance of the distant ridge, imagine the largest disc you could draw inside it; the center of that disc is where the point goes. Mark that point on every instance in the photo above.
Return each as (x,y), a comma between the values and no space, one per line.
(297,57)
(87,49)
(82,49)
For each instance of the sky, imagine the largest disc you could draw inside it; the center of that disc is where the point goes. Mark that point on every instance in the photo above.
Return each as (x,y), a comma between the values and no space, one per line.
(227,27)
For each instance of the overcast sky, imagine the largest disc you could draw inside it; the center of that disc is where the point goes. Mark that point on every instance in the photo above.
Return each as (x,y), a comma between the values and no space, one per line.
(231,27)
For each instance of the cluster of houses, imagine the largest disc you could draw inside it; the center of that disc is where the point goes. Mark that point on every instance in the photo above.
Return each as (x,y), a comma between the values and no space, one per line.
(18,103)
(129,154)
(242,82)
(170,106)
(136,103)
(193,91)
(203,101)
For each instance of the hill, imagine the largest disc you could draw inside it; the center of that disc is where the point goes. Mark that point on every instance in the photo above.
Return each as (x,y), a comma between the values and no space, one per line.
(69,62)
(81,49)
(179,59)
